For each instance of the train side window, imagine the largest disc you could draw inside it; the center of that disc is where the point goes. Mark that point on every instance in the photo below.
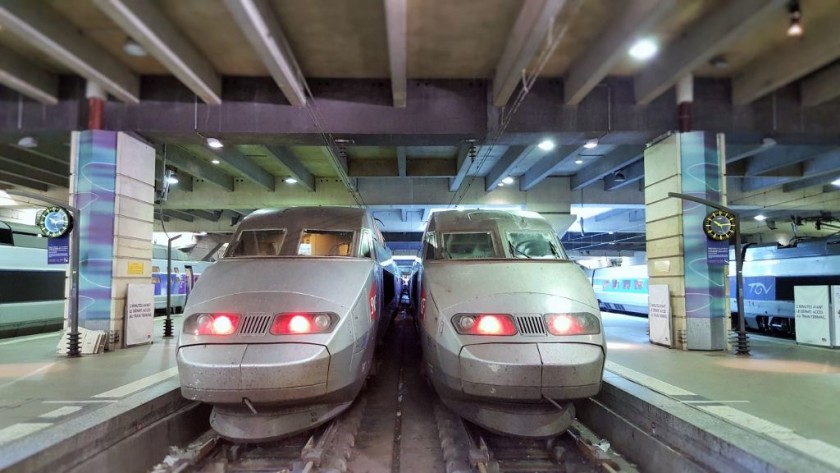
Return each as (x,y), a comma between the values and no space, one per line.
(430,242)
(325,243)
(472,245)
(257,243)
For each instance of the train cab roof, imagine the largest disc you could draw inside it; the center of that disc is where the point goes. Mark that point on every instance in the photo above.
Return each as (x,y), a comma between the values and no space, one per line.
(488,220)
(323,218)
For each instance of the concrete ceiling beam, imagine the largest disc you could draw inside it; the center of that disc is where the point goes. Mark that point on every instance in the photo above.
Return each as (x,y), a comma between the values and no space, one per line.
(821,87)
(463,162)
(296,168)
(738,152)
(30,80)
(545,166)
(758,184)
(395,22)
(513,156)
(710,35)
(149,26)
(388,167)
(212,216)
(401,161)
(781,157)
(245,167)
(35,161)
(533,25)
(257,21)
(14,180)
(185,161)
(26,171)
(621,157)
(816,172)
(632,173)
(814,181)
(58,38)
(819,47)
(179,214)
(631,21)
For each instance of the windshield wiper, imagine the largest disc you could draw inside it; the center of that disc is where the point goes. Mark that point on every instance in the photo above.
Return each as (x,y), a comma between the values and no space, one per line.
(514,251)
(554,250)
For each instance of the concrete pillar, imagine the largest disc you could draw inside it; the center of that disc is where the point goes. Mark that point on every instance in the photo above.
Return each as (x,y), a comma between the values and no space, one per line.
(112,183)
(686,163)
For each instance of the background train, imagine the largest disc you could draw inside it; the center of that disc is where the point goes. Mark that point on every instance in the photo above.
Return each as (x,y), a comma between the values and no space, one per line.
(770,274)
(32,291)
(280,333)
(510,328)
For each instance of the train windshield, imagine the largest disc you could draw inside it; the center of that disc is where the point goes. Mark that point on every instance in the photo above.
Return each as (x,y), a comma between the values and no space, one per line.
(260,242)
(474,245)
(325,243)
(534,245)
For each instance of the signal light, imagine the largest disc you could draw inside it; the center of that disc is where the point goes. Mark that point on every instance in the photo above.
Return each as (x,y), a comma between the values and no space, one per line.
(577,323)
(217,324)
(302,323)
(484,324)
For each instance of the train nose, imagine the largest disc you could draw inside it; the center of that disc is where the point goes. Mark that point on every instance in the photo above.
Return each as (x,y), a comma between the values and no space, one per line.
(529,371)
(221,373)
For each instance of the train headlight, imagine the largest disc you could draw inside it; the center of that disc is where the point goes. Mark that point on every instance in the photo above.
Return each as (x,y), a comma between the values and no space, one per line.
(576,323)
(484,324)
(212,324)
(300,323)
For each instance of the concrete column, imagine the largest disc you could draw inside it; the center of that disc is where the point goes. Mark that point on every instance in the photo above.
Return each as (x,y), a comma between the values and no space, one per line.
(112,183)
(686,163)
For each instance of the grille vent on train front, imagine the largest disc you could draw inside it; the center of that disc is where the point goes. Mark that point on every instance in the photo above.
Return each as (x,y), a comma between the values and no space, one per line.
(255,324)
(530,325)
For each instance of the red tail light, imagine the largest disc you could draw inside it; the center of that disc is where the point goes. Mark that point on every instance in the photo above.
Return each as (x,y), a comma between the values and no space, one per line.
(217,324)
(577,323)
(298,323)
(484,324)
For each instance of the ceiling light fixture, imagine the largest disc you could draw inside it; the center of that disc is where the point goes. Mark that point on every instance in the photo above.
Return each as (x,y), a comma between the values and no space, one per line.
(760,217)
(619,177)
(719,62)
(593,143)
(508,180)
(501,184)
(133,48)
(171,177)
(795,27)
(290,180)
(644,49)
(215,161)
(546,145)
(27,142)
(578,161)
(214,143)
(836,182)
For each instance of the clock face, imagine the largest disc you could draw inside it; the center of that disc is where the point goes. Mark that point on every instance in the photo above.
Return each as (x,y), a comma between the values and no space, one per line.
(55,222)
(719,225)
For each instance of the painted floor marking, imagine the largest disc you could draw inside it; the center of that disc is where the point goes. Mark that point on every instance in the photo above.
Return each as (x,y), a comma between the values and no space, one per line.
(815,448)
(140,384)
(28,339)
(16,431)
(29,375)
(61,412)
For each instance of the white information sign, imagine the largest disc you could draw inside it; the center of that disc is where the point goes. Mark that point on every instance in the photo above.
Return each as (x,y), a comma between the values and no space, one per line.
(139,314)
(835,316)
(659,314)
(813,316)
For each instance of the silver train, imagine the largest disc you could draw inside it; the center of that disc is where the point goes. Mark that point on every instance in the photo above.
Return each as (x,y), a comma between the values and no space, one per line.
(510,328)
(770,274)
(279,334)
(32,291)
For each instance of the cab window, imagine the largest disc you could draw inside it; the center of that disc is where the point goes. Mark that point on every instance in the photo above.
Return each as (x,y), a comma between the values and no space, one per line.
(431,245)
(365,245)
(471,245)
(325,243)
(260,242)
(534,245)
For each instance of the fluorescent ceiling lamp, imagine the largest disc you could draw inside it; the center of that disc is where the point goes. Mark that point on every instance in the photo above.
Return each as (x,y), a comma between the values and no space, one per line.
(27,142)
(172,179)
(836,182)
(760,218)
(133,48)
(578,161)
(546,145)
(591,143)
(290,180)
(215,161)
(508,180)
(214,143)
(501,184)
(644,49)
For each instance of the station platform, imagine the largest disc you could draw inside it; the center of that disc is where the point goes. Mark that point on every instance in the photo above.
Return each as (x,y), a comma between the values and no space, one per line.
(784,392)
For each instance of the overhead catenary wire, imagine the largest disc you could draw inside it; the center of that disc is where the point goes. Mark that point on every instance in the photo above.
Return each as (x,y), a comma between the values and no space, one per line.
(556,34)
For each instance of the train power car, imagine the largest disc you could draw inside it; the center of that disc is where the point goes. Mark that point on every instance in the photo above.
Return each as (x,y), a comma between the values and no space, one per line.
(279,334)
(510,328)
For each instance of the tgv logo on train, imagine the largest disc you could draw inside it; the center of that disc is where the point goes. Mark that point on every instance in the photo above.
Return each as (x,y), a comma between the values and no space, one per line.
(758,288)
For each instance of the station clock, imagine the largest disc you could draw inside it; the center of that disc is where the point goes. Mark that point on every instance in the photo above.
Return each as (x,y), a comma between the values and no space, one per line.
(55,222)
(719,225)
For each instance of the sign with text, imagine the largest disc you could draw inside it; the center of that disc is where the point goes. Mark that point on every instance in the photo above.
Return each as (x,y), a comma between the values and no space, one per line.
(58,250)
(813,317)
(139,314)
(659,314)
(717,252)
